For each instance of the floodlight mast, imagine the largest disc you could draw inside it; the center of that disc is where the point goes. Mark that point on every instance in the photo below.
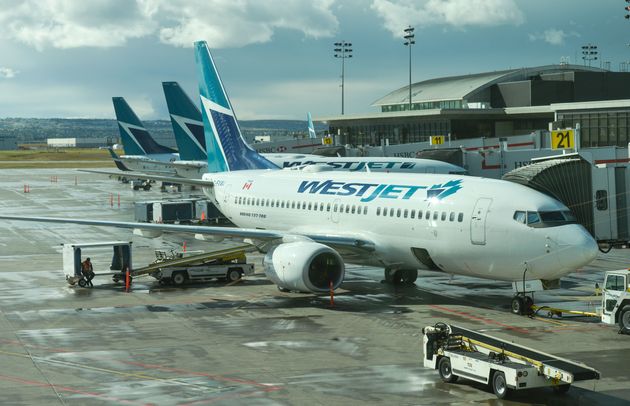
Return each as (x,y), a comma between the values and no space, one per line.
(343,50)
(409,41)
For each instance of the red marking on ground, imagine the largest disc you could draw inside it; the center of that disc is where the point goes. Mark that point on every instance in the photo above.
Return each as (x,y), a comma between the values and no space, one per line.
(482,319)
(219,398)
(67,389)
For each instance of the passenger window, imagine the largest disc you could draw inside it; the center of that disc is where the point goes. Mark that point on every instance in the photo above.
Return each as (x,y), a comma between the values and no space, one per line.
(413,213)
(273,204)
(328,207)
(321,207)
(427,215)
(385,211)
(309,205)
(391,212)
(435,215)
(335,207)
(282,204)
(443,216)
(378,211)
(460,218)
(405,213)
(419,214)
(451,216)
(365,209)
(348,208)
(353,208)
(398,213)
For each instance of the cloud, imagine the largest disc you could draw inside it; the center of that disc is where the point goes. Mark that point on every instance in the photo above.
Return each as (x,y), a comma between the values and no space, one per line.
(108,23)
(397,14)
(552,36)
(7,73)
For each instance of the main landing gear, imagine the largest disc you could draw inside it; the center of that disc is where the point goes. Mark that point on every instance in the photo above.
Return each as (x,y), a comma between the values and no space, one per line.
(398,276)
(522,304)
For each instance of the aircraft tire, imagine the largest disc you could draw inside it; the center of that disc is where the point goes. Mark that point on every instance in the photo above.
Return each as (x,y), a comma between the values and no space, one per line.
(518,305)
(624,320)
(409,275)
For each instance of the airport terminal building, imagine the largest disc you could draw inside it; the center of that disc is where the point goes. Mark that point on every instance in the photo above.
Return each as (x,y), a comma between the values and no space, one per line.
(498,104)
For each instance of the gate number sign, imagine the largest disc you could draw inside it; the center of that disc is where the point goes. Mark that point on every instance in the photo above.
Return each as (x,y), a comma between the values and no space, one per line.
(562,139)
(437,140)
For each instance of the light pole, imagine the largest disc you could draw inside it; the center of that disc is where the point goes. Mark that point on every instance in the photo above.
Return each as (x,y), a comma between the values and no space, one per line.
(409,36)
(589,53)
(343,50)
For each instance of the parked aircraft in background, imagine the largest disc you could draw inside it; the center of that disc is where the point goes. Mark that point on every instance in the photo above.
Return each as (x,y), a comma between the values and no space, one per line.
(188,129)
(309,222)
(142,152)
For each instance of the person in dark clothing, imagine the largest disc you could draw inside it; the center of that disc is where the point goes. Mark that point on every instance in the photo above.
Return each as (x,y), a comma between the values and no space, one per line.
(88,271)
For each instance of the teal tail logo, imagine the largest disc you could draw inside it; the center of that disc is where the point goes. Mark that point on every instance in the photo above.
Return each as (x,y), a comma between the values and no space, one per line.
(225,146)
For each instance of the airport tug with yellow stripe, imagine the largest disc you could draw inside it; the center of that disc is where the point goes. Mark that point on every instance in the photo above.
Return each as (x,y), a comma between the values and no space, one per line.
(458,352)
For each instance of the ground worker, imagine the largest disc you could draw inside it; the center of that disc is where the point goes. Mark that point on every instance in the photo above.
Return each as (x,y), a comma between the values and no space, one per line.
(88,271)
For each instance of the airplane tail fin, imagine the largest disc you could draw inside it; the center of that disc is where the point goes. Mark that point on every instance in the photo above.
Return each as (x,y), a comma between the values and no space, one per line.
(187,123)
(135,138)
(121,166)
(311,127)
(226,148)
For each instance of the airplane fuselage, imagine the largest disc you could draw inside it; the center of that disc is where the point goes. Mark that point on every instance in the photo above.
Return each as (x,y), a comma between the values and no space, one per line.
(457,224)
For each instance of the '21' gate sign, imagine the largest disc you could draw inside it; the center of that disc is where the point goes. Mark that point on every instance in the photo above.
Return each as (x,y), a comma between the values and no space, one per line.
(563,139)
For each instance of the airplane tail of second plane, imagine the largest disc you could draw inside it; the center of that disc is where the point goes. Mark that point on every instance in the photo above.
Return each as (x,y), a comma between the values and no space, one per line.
(226,148)
(187,123)
(311,127)
(135,138)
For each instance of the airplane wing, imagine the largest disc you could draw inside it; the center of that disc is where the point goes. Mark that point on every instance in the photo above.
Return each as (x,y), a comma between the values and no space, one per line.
(139,175)
(348,243)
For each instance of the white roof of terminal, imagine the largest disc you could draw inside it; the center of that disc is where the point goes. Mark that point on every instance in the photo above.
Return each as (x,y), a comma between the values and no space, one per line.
(460,87)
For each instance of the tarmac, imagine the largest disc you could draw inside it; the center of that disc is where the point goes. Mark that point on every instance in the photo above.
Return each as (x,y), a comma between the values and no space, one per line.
(247,343)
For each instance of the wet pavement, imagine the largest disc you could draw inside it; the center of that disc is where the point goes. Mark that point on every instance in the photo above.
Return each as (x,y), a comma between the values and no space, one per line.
(248,343)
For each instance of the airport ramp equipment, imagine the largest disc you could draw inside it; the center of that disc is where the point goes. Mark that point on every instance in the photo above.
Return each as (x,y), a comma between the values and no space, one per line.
(218,256)
(459,352)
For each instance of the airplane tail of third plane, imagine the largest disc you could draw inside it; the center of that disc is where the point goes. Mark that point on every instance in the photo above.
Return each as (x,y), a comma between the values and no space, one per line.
(226,148)
(311,127)
(135,138)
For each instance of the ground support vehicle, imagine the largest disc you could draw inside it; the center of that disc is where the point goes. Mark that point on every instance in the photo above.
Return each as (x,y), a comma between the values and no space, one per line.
(615,306)
(458,352)
(179,268)
(74,253)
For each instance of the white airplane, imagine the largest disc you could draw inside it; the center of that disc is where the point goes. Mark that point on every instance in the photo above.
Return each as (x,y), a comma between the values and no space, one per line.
(313,220)
(142,152)
(189,134)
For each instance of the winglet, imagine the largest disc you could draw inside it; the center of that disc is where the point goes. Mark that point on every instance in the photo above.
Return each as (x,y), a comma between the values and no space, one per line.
(225,146)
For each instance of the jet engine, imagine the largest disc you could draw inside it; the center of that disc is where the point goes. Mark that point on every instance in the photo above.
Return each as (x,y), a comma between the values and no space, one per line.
(304,266)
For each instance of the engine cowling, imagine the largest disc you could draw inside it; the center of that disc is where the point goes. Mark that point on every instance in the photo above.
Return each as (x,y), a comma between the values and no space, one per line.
(305,266)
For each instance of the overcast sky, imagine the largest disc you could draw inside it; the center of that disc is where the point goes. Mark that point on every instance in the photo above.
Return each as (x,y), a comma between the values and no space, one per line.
(67,58)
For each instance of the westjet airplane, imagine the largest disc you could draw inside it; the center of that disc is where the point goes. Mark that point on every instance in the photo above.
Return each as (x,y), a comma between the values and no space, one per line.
(309,222)
(189,134)
(142,152)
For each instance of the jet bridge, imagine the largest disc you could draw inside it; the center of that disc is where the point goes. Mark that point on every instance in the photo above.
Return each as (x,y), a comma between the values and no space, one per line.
(597,194)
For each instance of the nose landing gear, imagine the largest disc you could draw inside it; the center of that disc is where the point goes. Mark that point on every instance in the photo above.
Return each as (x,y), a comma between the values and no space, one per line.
(522,304)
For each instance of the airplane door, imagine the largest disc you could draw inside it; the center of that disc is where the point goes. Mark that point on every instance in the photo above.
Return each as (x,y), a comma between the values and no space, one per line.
(478,221)
(334,211)
(226,193)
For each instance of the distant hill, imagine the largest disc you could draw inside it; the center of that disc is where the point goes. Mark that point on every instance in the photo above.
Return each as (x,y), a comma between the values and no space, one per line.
(36,130)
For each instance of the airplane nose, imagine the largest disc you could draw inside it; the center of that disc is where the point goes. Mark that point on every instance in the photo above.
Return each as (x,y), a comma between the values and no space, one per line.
(578,247)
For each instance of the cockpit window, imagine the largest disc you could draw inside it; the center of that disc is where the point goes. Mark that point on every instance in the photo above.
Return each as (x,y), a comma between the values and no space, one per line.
(545,218)
(520,216)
